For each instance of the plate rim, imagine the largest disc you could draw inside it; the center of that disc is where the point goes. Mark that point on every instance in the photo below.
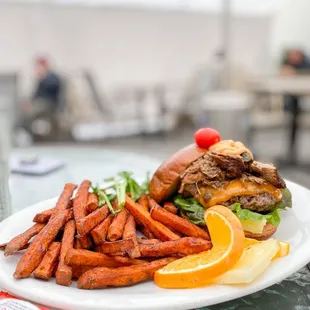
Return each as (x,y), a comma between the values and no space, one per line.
(23,292)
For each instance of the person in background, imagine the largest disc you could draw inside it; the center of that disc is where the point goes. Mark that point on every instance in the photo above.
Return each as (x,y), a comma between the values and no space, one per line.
(48,87)
(294,62)
(46,97)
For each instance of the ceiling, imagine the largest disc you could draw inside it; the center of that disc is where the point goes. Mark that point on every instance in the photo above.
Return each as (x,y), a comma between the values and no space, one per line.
(247,7)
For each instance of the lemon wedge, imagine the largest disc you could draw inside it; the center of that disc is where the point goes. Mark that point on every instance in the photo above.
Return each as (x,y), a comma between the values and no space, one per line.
(283,251)
(253,262)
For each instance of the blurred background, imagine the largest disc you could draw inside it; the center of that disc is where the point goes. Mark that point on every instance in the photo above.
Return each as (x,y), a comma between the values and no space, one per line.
(141,76)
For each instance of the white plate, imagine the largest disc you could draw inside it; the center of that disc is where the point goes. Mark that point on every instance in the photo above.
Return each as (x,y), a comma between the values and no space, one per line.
(294,229)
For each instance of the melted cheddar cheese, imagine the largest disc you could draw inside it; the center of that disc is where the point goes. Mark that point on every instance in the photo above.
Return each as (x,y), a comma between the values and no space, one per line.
(236,188)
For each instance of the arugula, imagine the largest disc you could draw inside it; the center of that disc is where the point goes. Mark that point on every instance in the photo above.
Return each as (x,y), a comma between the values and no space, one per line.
(120,185)
(120,188)
(104,199)
(190,209)
(145,186)
(132,186)
(95,189)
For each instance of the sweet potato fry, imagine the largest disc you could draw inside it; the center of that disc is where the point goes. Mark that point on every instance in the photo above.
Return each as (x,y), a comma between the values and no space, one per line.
(92,202)
(170,207)
(63,202)
(71,202)
(25,247)
(131,234)
(21,240)
(130,228)
(77,244)
(116,228)
(44,216)
(101,277)
(99,233)
(144,202)
(89,258)
(129,261)
(119,254)
(64,272)
(80,202)
(86,224)
(176,222)
(37,249)
(158,229)
(183,246)
(85,241)
(77,271)
(94,259)
(3,246)
(148,241)
(119,246)
(175,232)
(55,269)
(146,232)
(80,212)
(49,262)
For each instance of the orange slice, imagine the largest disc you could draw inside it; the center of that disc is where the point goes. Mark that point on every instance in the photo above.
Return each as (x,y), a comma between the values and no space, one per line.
(283,251)
(196,270)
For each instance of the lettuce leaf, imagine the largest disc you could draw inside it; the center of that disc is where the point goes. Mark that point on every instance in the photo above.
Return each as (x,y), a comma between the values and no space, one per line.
(194,211)
(244,214)
(286,201)
(190,209)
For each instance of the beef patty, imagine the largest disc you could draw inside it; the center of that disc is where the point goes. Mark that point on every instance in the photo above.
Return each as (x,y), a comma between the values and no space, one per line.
(262,203)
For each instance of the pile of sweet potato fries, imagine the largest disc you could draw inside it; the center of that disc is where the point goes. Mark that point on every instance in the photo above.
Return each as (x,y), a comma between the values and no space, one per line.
(78,239)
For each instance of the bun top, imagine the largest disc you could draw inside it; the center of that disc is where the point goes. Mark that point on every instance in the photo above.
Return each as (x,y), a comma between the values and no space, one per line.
(166,179)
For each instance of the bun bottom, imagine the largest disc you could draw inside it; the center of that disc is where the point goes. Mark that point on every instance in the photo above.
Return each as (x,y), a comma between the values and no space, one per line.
(268,231)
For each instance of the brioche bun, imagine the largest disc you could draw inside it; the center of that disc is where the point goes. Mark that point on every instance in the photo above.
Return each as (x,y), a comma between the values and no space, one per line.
(268,231)
(166,179)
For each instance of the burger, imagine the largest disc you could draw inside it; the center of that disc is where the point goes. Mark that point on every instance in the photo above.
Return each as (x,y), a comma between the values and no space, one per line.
(225,173)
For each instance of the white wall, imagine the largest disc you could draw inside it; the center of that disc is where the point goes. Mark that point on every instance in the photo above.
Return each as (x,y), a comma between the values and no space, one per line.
(124,46)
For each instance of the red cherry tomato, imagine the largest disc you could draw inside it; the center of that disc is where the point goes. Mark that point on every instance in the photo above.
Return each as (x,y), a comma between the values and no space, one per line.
(205,137)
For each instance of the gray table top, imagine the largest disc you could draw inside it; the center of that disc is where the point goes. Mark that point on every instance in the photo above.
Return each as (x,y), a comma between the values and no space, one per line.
(96,164)
(296,85)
